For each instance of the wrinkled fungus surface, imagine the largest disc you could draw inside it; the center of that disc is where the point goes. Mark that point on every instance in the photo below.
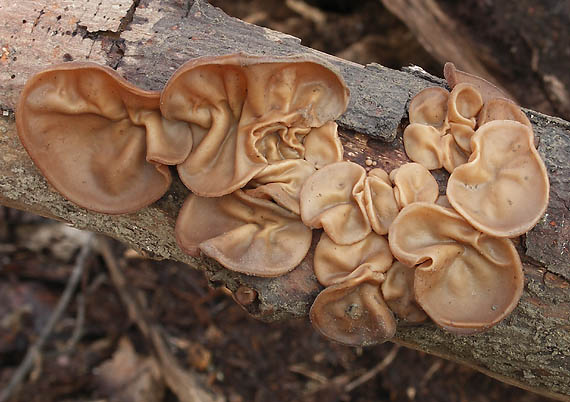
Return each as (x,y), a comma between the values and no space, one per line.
(503,190)
(100,141)
(243,233)
(245,111)
(353,312)
(466,281)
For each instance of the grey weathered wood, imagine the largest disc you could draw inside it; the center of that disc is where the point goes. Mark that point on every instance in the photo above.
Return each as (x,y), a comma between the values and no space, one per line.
(147,41)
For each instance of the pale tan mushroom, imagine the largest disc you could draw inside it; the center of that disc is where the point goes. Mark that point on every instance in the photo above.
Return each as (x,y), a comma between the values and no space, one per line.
(322,145)
(282,182)
(464,104)
(466,281)
(429,107)
(413,183)
(333,199)
(243,233)
(100,141)
(502,109)
(503,190)
(398,292)
(380,202)
(423,145)
(231,103)
(462,135)
(334,263)
(353,312)
(487,90)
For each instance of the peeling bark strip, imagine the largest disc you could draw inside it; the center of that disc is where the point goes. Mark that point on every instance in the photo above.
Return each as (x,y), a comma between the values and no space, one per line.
(531,348)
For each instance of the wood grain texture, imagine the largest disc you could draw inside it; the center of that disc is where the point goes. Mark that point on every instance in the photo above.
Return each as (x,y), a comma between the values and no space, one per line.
(147,41)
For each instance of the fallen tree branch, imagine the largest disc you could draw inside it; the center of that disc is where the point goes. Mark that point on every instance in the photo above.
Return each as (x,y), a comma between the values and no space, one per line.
(530,349)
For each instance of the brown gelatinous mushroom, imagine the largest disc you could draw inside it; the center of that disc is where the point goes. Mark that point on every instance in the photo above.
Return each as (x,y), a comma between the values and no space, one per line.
(322,145)
(398,292)
(503,190)
(487,90)
(464,104)
(423,145)
(502,109)
(100,141)
(334,263)
(231,103)
(333,199)
(451,154)
(353,312)
(429,107)
(282,182)
(243,233)
(462,135)
(413,183)
(466,281)
(380,202)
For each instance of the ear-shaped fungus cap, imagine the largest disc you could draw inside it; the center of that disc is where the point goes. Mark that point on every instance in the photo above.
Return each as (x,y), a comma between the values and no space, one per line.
(466,281)
(464,104)
(413,183)
(502,109)
(333,199)
(334,263)
(503,190)
(353,312)
(426,146)
(487,90)
(398,292)
(429,107)
(282,182)
(232,102)
(98,140)
(381,205)
(245,234)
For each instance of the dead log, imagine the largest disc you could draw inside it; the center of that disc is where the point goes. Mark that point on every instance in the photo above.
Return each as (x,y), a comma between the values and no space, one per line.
(147,40)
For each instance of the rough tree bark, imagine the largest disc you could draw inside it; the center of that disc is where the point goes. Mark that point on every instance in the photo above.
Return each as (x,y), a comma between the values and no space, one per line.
(147,40)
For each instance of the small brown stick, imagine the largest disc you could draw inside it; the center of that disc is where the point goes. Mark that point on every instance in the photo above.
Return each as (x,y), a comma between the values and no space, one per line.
(34,351)
(373,372)
(185,385)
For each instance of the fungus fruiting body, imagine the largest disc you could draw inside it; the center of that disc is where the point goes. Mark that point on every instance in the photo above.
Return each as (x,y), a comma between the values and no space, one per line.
(466,281)
(98,140)
(245,111)
(243,233)
(503,190)
(254,139)
(351,309)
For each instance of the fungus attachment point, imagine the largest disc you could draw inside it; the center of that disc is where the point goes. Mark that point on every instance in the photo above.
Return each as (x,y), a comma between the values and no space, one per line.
(381,204)
(398,292)
(282,182)
(503,189)
(246,111)
(243,233)
(466,281)
(88,131)
(333,199)
(353,312)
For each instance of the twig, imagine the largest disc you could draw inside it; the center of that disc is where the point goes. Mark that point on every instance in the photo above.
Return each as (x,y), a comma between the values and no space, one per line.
(33,351)
(374,371)
(186,386)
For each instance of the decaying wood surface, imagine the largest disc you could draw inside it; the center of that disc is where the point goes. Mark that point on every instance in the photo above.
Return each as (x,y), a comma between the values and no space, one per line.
(147,40)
